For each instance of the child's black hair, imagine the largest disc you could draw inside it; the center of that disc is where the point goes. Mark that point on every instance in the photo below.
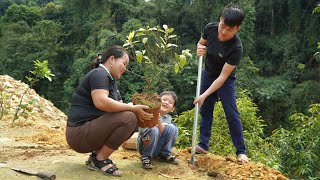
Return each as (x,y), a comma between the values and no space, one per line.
(171,93)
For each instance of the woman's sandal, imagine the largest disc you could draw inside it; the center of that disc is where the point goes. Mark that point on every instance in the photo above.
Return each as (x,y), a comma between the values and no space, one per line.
(146,163)
(97,165)
(169,159)
(93,154)
(89,161)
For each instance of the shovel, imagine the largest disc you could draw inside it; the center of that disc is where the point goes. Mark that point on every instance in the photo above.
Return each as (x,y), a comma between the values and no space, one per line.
(42,175)
(195,122)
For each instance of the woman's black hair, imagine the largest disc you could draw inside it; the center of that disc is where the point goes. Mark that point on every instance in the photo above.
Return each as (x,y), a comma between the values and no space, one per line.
(116,51)
(171,93)
(232,15)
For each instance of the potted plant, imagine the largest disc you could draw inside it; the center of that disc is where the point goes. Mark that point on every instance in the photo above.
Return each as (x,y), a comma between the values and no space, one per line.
(156,53)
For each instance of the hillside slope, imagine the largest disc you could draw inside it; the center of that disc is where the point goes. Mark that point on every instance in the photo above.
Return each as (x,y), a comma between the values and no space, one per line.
(36,142)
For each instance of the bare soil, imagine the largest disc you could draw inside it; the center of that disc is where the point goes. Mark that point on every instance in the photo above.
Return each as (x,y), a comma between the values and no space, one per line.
(37,143)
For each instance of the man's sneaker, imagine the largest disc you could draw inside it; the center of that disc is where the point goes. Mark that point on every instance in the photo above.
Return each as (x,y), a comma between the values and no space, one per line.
(200,150)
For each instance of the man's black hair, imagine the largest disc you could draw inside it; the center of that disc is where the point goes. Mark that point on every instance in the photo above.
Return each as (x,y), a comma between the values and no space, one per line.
(232,15)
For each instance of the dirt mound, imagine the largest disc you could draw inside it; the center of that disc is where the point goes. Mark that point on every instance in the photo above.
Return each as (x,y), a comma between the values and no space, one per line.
(42,110)
(37,142)
(47,121)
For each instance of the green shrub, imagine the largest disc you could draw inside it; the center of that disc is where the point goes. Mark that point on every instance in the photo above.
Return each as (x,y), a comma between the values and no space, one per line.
(300,146)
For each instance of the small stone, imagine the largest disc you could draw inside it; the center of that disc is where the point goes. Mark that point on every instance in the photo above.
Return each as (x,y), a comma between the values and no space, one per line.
(212,174)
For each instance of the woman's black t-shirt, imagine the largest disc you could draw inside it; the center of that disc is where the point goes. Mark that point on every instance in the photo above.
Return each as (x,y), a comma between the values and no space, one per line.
(219,53)
(82,108)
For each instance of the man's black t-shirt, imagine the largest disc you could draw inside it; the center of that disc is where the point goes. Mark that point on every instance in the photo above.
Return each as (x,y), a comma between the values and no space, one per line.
(82,108)
(219,53)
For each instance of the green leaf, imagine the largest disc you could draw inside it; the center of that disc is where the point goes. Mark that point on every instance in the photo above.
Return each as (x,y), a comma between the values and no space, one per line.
(30,79)
(160,30)
(176,56)
(186,52)
(153,29)
(163,41)
(141,29)
(140,34)
(316,9)
(182,60)
(170,30)
(3,97)
(301,66)
(171,45)
(165,26)
(126,44)
(139,56)
(130,36)
(49,78)
(317,56)
(176,68)
(144,40)
(135,42)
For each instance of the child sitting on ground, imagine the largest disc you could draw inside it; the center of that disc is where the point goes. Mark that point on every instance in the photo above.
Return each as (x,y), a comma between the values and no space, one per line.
(158,141)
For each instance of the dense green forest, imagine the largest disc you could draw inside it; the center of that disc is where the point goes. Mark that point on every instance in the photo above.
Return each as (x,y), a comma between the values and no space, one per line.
(278,78)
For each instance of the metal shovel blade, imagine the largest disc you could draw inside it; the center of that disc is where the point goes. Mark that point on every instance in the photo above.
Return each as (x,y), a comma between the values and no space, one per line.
(44,175)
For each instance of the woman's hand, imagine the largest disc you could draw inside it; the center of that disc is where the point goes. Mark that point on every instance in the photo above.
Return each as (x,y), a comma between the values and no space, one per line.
(141,114)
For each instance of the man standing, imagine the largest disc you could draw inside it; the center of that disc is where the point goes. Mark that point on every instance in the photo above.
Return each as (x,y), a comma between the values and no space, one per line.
(223,49)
